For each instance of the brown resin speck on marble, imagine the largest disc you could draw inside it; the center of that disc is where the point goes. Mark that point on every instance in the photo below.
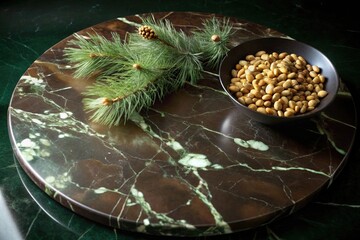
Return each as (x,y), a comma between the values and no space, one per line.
(191,165)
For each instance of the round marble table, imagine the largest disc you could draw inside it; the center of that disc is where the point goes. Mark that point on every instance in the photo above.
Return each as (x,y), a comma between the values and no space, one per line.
(191,165)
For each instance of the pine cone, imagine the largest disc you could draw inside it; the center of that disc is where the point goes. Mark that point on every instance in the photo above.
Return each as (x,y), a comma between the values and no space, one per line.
(147,32)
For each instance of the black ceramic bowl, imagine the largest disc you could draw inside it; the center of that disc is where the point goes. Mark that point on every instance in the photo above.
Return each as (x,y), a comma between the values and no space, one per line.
(311,55)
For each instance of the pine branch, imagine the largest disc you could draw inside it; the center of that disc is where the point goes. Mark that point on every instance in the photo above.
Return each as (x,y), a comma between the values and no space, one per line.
(182,47)
(212,40)
(144,79)
(168,35)
(111,111)
(95,53)
(132,75)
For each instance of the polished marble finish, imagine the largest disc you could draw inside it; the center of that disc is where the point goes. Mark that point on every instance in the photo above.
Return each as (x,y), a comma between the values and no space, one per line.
(30,27)
(191,165)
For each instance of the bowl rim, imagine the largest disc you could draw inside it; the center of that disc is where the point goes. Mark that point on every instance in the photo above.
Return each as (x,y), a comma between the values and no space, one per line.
(271,118)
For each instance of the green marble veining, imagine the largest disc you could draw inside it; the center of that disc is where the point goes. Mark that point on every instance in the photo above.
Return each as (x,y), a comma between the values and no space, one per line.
(192,161)
(38,146)
(244,163)
(33,147)
(163,219)
(329,137)
(251,143)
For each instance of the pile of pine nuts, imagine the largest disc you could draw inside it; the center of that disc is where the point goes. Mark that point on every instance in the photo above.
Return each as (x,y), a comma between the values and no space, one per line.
(278,84)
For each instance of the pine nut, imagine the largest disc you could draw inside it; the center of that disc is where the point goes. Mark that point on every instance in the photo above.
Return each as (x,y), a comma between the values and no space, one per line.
(278,84)
(322,93)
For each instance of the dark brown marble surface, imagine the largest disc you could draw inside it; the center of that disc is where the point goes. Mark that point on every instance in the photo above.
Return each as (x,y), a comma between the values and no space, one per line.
(191,165)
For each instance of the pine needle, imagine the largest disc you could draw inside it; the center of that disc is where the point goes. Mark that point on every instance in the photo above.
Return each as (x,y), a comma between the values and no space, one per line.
(95,53)
(213,50)
(141,94)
